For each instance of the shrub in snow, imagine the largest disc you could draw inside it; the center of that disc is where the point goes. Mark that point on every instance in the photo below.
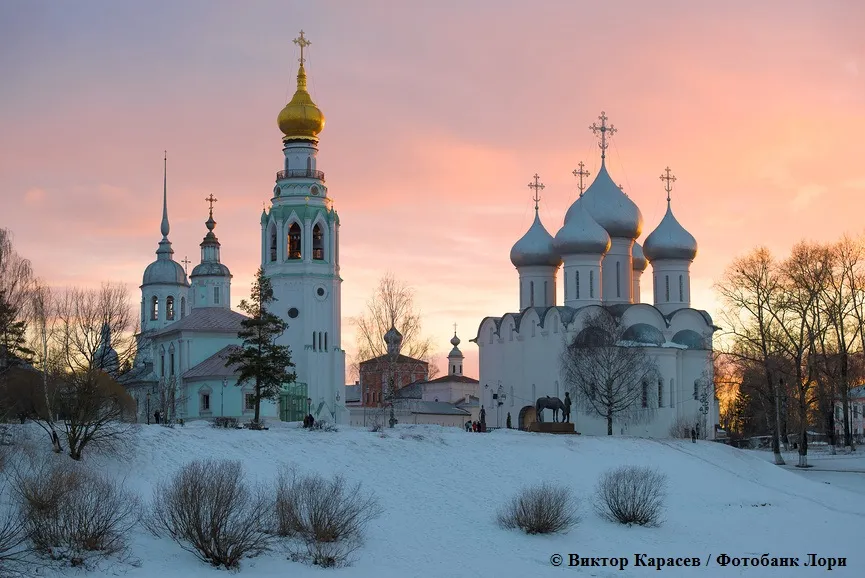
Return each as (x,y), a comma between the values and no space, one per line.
(323,518)
(210,510)
(13,526)
(632,495)
(224,422)
(75,515)
(321,425)
(542,509)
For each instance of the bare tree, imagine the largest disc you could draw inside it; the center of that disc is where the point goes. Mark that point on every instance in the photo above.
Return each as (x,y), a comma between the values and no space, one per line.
(391,305)
(797,313)
(80,396)
(610,377)
(843,305)
(85,318)
(748,290)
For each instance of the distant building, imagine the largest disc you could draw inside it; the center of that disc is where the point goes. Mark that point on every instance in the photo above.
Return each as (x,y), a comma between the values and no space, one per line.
(450,400)
(856,408)
(375,374)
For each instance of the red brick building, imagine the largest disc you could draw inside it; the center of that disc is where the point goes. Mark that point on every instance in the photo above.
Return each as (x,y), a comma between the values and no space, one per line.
(375,374)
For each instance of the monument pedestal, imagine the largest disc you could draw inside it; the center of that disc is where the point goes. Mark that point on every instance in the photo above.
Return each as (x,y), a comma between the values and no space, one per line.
(552,427)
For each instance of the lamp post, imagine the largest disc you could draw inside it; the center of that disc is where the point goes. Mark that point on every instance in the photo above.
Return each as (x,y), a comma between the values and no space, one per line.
(222,397)
(308,406)
(148,408)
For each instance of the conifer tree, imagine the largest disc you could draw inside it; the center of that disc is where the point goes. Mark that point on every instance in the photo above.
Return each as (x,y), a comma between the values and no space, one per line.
(260,360)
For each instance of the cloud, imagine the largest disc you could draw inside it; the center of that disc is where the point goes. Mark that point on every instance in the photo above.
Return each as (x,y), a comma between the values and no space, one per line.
(34,196)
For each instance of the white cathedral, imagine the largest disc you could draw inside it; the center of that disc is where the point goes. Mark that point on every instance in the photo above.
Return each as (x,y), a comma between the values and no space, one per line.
(188,327)
(520,352)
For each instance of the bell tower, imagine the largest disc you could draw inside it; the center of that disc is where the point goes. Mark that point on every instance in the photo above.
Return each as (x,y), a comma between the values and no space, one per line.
(300,254)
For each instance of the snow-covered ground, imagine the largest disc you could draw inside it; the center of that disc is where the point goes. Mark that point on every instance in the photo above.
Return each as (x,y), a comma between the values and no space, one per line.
(440,489)
(843,470)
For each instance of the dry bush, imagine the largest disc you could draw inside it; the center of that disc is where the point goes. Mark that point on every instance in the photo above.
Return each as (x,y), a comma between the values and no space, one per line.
(326,518)
(632,495)
(542,509)
(13,533)
(321,425)
(210,510)
(225,422)
(75,515)
(681,428)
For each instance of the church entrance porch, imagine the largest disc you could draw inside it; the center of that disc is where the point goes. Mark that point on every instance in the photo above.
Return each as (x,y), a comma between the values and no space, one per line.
(528,415)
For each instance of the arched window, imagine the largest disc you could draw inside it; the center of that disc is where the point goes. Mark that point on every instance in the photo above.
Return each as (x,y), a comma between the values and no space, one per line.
(317,242)
(182,307)
(171,360)
(308,165)
(169,308)
(325,340)
(162,361)
(592,284)
(216,295)
(531,293)
(645,399)
(454,369)
(461,368)
(667,281)
(154,308)
(294,246)
(672,393)
(320,338)
(696,387)
(660,393)
(618,279)
(272,242)
(313,340)
(681,289)
(577,276)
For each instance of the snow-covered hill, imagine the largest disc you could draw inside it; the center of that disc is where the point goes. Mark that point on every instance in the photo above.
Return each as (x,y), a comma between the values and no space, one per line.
(440,489)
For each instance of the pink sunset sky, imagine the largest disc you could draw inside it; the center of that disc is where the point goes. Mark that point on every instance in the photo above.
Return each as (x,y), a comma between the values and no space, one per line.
(438,114)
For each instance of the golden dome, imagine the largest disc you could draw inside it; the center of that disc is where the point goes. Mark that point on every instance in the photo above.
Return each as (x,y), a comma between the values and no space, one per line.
(301,119)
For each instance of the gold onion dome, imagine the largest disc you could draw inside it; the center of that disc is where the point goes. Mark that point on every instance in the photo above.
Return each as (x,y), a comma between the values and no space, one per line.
(301,119)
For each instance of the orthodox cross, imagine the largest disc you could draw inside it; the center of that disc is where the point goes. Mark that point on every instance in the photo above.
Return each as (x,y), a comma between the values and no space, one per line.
(537,186)
(455,328)
(303,43)
(668,186)
(211,199)
(186,263)
(580,173)
(603,129)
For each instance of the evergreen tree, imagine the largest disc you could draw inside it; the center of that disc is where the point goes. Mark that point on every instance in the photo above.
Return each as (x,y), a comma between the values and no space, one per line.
(260,360)
(13,346)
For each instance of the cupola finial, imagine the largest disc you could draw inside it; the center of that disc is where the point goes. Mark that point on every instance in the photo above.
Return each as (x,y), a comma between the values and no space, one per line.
(603,129)
(580,174)
(537,186)
(668,186)
(164,228)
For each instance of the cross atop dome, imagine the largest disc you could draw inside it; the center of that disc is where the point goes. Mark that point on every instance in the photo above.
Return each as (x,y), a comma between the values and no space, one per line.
(537,186)
(580,174)
(211,199)
(670,178)
(603,129)
(303,43)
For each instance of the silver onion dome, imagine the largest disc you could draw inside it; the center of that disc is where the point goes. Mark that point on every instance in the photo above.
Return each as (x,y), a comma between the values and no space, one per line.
(581,234)
(610,207)
(164,272)
(638,257)
(535,248)
(670,240)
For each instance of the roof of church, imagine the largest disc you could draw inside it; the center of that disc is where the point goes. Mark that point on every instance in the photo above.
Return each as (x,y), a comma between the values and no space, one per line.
(138,374)
(207,319)
(400,358)
(413,390)
(213,366)
(352,393)
(454,378)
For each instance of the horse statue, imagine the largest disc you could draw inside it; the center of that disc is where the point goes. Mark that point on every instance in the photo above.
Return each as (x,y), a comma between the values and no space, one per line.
(552,403)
